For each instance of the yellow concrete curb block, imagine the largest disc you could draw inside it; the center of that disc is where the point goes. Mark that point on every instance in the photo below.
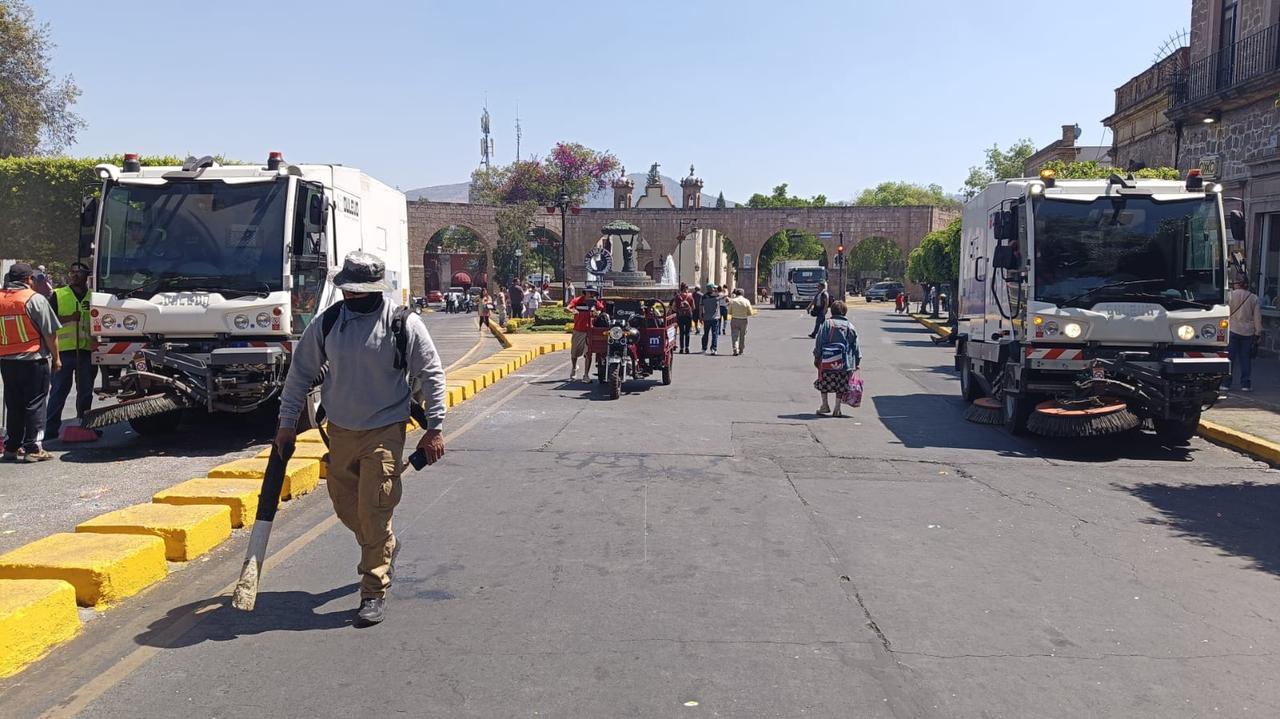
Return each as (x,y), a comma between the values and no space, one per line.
(318,452)
(936,328)
(104,568)
(467,390)
(300,475)
(35,616)
(1242,441)
(187,530)
(453,395)
(311,436)
(239,495)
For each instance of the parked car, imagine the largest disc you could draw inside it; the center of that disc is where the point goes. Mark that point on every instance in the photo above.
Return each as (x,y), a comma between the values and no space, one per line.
(883,291)
(435,296)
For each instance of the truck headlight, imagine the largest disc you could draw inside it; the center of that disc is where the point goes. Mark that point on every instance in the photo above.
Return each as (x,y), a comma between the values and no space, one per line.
(1208,332)
(1072,330)
(615,333)
(1186,333)
(130,323)
(264,319)
(108,321)
(241,322)
(1051,328)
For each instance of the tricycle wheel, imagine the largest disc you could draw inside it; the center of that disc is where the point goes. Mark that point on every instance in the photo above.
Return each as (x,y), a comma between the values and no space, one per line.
(666,373)
(615,383)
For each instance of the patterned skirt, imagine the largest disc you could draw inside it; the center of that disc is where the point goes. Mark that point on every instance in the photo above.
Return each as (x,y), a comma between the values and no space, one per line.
(833,380)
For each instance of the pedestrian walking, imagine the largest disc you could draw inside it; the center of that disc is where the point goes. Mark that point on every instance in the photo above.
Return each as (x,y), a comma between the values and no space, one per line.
(740,311)
(900,302)
(710,319)
(532,300)
(449,302)
(697,311)
(836,356)
(723,296)
(485,309)
(75,349)
(379,361)
(1245,331)
(515,294)
(682,303)
(28,346)
(584,309)
(818,308)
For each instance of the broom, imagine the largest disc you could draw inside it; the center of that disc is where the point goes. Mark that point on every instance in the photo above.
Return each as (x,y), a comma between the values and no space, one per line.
(246,592)
(1092,418)
(985,410)
(151,406)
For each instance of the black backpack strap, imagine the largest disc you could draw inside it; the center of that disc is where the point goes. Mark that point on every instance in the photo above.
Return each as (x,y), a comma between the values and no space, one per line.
(399,316)
(328,320)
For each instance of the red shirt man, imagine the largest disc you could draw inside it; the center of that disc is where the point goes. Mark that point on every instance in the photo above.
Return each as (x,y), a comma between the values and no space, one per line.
(584,308)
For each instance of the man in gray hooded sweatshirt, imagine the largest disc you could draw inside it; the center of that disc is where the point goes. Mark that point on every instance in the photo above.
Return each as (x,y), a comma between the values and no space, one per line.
(366,399)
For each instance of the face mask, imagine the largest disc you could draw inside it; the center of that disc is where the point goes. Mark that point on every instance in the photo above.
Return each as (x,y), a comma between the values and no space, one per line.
(364,305)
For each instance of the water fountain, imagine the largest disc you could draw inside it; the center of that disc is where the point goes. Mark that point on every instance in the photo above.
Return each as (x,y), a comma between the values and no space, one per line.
(669,277)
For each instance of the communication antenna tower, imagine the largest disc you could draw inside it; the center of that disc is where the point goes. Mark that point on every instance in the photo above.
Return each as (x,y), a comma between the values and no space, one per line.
(486,142)
(517,132)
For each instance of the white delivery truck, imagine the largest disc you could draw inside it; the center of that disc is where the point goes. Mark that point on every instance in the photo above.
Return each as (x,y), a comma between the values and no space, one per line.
(794,283)
(1094,303)
(204,275)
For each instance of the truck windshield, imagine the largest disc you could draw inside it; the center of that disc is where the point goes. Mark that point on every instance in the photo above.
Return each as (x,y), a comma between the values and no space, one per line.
(192,235)
(808,274)
(1129,249)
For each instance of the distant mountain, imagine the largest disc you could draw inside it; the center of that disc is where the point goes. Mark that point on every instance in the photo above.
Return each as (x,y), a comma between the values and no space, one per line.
(458,192)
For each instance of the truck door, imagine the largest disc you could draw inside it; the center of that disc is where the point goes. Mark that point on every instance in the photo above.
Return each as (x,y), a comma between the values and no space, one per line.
(310,253)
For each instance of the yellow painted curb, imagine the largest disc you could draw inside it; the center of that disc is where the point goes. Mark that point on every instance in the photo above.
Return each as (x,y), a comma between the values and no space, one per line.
(104,568)
(35,616)
(239,495)
(936,328)
(187,530)
(467,390)
(318,452)
(453,395)
(300,475)
(311,436)
(1242,441)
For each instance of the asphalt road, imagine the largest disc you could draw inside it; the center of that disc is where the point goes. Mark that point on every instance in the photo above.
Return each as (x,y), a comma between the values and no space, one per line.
(123,468)
(712,548)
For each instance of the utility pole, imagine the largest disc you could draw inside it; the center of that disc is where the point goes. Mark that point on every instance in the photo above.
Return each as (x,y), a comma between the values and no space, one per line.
(517,132)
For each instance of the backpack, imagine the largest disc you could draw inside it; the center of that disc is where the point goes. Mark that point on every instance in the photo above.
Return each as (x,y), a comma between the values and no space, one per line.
(399,316)
(682,307)
(833,352)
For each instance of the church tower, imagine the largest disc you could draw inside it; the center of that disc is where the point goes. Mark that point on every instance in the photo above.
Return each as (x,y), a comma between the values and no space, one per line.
(622,189)
(692,187)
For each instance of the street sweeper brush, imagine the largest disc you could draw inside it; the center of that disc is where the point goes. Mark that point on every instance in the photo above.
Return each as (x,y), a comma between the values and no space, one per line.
(985,410)
(133,409)
(1088,418)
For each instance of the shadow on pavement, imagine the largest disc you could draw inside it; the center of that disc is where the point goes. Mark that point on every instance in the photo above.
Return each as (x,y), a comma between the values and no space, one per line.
(200,435)
(1237,519)
(930,420)
(275,612)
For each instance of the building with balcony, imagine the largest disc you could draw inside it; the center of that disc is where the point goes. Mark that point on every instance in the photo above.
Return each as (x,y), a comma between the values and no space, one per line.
(1067,150)
(1226,107)
(1142,134)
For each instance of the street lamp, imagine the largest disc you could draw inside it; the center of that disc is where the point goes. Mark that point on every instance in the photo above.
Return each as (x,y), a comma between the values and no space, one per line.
(563,203)
(519,264)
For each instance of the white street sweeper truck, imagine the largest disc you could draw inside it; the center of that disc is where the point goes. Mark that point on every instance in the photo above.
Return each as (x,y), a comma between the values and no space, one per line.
(1093,306)
(204,275)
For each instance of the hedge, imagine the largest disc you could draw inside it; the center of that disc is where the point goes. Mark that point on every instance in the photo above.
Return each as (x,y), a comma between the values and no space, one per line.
(40,205)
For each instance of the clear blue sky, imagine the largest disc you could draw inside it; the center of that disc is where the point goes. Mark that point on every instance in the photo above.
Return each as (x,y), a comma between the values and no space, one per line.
(829,96)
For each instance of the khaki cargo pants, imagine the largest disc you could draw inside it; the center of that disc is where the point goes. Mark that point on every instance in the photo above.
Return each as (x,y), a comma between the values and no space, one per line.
(364,484)
(738,333)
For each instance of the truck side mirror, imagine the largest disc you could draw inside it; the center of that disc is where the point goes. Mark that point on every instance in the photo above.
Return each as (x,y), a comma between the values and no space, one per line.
(88,222)
(1235,223)
(318,212)
(1005,257)
(1002,224)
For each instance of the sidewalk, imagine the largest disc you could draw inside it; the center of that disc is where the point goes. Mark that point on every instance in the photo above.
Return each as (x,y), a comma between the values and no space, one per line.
(1255,413)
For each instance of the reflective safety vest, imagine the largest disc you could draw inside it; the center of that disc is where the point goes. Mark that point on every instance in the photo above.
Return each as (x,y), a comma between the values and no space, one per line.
(18,333)
(74,333)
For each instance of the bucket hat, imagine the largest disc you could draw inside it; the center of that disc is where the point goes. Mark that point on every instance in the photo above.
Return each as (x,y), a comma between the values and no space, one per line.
(362,272)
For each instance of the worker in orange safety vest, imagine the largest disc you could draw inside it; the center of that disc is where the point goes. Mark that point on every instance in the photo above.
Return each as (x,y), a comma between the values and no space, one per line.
(28,348)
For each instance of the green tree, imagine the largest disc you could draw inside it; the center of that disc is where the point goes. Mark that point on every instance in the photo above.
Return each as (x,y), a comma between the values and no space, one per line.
(1093,170)
(35,107)
(880,255)
(780,198)
(720,202)
(898,194)
(513,234)
(999,164)
(571,167)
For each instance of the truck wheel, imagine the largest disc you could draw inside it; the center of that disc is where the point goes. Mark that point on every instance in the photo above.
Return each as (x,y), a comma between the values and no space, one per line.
(968,387)
(1017,409)
(157,425)
(1177,431)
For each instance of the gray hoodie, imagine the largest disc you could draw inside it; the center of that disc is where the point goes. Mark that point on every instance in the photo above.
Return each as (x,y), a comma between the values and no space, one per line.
(363,389)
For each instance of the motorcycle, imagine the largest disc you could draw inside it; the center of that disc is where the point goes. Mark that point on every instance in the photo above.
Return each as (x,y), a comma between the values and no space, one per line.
(637,343)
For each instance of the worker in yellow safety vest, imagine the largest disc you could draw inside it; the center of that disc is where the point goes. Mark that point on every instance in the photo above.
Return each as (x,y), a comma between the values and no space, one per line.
(75,348)
(27,347)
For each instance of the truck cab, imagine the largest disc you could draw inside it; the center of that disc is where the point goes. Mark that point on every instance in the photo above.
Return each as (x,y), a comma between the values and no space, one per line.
(1079,289)
(205,275)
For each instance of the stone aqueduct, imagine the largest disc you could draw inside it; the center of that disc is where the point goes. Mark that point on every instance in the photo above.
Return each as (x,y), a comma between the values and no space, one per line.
(748,229)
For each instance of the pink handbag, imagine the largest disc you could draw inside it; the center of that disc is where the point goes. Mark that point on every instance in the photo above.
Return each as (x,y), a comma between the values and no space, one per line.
(853,396)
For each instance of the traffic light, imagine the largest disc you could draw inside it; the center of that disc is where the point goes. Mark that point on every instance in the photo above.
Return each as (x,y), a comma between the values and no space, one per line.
(839,249)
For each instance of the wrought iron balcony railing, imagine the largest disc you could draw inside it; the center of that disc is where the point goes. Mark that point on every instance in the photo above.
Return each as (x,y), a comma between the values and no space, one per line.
(1252,57)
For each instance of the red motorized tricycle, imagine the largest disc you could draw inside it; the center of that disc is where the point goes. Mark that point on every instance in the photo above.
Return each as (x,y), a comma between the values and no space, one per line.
(633,339)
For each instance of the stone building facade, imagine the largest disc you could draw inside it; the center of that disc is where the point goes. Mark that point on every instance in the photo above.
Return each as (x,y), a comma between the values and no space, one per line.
(1226,106)
(1141,131)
